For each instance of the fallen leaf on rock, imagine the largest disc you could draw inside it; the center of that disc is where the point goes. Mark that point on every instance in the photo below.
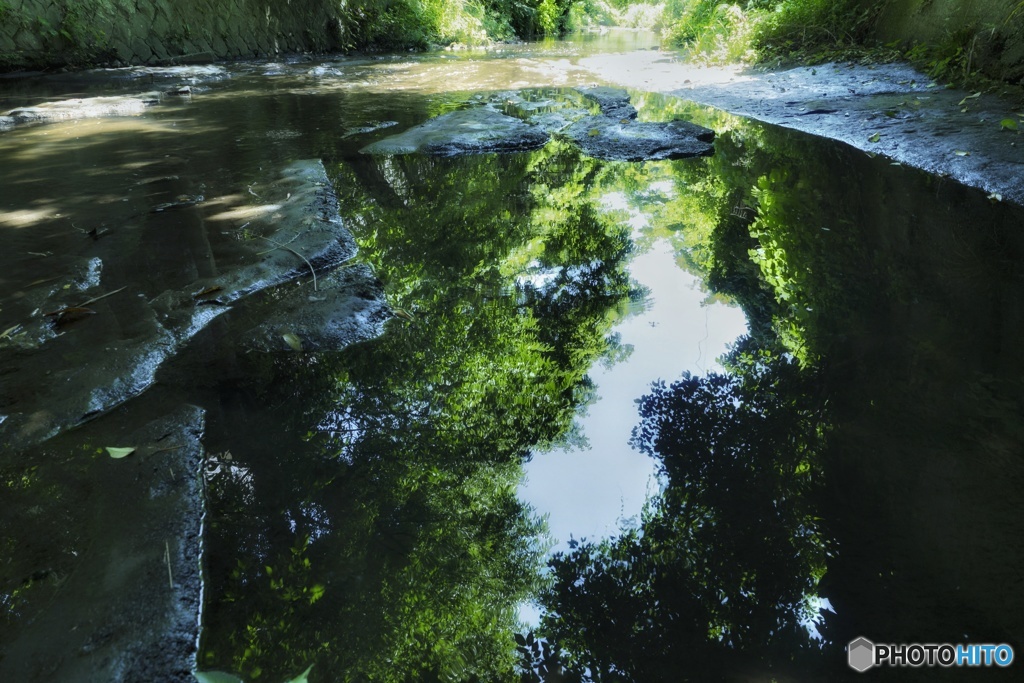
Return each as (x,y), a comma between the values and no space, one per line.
(216,677)
(69,315)
(1008,124)
(292,341)
(118,453)
(302,677)
(207,292)
(961,153)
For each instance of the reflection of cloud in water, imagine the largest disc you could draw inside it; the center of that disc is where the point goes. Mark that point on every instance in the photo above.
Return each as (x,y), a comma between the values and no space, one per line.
(590,493)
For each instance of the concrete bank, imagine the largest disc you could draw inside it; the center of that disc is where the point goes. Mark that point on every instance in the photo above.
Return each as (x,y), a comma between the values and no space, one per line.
(54,33)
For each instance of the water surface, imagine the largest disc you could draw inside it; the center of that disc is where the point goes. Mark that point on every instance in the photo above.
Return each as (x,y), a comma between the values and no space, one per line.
(855,435)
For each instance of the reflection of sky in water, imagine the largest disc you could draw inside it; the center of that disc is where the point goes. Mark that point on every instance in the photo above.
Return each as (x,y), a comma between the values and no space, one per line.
(586,493)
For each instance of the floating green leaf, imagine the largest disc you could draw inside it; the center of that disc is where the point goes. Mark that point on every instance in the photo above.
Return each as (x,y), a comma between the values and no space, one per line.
(875,138)
(116,452)
(970,97)
(962,153)
(292,340)
(1008,124)
(216,677)
(303,677)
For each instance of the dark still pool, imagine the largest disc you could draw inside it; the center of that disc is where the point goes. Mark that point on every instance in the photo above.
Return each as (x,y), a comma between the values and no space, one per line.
(302,381)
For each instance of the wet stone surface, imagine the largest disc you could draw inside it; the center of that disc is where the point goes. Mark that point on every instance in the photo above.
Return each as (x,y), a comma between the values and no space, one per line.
(613,102)
(522,120)
(887,109)
(611,139)
(891,110)
(469,131)
(92,107)
(112,348)
(347,307)
(106,584)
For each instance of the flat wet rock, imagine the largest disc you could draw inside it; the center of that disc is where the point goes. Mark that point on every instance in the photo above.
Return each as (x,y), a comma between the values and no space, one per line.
(114,341)
(91,107)
(891,110)
(613,102)
(888,109)
(523,120)
(347,307)
(468,131)
(604,137)
(106,584)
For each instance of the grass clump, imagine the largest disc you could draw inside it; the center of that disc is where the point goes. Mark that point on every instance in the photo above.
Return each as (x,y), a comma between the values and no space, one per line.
(712,32)
(765,30)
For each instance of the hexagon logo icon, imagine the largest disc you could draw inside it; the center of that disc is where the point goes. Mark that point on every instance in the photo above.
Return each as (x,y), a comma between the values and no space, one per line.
(861,654)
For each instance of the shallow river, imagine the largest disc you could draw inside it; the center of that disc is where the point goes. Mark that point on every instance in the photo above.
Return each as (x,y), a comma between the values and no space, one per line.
(380,495)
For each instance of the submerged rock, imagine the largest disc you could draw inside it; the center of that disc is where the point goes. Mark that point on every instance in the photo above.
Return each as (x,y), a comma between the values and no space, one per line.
(604,137)
(368,128)
(106,584)
(551,111)
(91,107)
(613,102)
(468,131)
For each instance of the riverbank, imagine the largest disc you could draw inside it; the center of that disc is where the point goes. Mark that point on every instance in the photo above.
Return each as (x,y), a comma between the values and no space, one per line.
(971,137)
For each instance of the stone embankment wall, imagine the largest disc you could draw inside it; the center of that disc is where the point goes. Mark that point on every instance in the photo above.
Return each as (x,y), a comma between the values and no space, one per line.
(52,33)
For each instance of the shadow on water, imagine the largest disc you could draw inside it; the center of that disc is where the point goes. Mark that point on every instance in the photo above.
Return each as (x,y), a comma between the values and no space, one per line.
(863,444)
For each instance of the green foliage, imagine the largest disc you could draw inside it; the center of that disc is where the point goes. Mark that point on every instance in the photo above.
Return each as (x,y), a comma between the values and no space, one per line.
(391,24)
(952,59)
(220,677)
(809,30)
(547,16)
(719,574)
(584,13)
(410,550)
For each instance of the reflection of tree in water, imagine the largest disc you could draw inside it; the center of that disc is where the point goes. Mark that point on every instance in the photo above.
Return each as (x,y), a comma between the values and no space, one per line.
(380,536)
(718,574)
(878,309)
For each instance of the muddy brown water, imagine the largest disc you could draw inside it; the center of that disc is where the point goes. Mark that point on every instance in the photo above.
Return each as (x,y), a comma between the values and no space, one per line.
(361,508)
